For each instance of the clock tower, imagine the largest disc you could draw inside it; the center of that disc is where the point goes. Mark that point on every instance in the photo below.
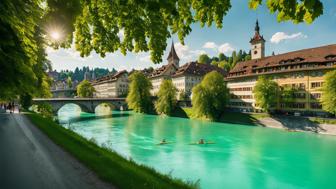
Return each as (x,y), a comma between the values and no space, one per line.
(257,44)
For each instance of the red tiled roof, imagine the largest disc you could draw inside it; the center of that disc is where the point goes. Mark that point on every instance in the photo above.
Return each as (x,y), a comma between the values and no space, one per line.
(110,77)
(257,37)
(305,56)
(195,68)
(146,71)
(160,71)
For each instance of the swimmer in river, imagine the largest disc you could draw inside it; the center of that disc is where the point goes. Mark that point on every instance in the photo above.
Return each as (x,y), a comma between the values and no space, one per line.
(201,141)
(163,141)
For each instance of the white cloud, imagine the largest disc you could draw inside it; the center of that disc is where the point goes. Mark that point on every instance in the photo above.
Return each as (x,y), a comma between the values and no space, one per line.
(187,54)
(210,45)
(281,36)
(225,48)
(143,57)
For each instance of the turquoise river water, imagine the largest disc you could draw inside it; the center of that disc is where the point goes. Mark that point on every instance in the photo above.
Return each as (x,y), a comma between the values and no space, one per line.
(242,156)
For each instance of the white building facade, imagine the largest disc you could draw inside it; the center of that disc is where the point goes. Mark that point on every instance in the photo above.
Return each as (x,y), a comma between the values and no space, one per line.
(111,86)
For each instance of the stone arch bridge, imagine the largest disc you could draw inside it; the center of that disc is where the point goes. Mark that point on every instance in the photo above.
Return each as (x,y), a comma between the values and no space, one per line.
(86,104)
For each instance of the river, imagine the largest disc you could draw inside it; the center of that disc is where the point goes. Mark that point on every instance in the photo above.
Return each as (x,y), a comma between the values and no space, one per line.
(241,156)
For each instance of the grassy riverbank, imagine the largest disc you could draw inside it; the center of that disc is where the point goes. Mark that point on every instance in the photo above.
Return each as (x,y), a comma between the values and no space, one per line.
(234,117)
(108,165)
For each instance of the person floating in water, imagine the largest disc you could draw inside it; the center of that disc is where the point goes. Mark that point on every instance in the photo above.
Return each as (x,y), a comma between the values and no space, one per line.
(201,141)
(163,141)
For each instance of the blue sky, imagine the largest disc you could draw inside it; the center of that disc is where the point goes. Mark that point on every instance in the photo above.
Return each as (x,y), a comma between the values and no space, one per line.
(238,28)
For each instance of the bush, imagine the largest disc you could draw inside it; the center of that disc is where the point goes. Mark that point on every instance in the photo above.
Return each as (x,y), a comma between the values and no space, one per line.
(138,97)
(266,93)
(210,97)
(166,102)
(26,100)
(45,110)
(85,89)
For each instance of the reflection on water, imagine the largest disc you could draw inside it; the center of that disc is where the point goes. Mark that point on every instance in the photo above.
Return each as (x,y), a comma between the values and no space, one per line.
(242,157)
(103,109)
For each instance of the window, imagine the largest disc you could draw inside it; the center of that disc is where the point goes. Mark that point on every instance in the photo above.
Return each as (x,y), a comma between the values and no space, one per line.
(255,52)
(315,95)
(298,105)
(299,95)
(245,104)
(316,84)
(315,105)
(241,89)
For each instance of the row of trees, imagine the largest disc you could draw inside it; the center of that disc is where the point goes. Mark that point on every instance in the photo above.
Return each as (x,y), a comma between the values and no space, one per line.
(225,62)
(209,97)
(78,74)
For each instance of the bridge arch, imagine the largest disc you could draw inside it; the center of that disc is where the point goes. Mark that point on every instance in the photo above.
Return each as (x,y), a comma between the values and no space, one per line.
(86,104)
(104,108)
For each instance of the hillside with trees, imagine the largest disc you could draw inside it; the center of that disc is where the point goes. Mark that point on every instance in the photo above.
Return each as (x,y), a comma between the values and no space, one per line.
(78,73)
(223,61)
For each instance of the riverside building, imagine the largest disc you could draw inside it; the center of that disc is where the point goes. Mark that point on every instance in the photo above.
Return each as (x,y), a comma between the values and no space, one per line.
(112,85)
(184,77)
(302,70)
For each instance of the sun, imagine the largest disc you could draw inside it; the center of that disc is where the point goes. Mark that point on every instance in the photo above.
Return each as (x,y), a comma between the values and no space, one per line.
(55,35)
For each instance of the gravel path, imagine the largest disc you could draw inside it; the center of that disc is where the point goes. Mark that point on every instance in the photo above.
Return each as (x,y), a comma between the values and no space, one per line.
(28,159)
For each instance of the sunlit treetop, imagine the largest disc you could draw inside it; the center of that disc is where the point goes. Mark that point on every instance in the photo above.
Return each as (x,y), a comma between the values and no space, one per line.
(292,10)
(144,25)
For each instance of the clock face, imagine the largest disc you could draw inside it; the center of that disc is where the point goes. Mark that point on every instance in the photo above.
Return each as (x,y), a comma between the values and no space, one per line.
(255,52)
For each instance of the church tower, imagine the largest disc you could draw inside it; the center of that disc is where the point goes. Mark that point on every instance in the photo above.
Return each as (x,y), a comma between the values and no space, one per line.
(257,44)
(172,57)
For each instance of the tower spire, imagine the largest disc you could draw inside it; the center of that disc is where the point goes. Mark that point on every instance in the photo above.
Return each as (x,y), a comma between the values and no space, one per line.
(172,57)
(257,43)
(257,28)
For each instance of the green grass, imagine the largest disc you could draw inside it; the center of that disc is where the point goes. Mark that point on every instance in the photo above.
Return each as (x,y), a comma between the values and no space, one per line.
(235,117)
(323,120)
(108,165)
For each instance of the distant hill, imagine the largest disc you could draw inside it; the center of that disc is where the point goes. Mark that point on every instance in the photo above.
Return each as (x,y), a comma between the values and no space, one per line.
(78,74)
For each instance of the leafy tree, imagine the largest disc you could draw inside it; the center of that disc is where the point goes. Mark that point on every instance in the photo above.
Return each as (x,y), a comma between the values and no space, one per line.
(295,10)
(22,56)
(45,110)
(222,57)
(26,101)
(214,63)
(224,65)
(328,99)
(166,102)
(204,59)
(214,59)
(183,95)
(85,89)
(239,56)
(69,82)
(210,96)
(147,25)
(139,98)
(247,57)
(287,94)
(265,93)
